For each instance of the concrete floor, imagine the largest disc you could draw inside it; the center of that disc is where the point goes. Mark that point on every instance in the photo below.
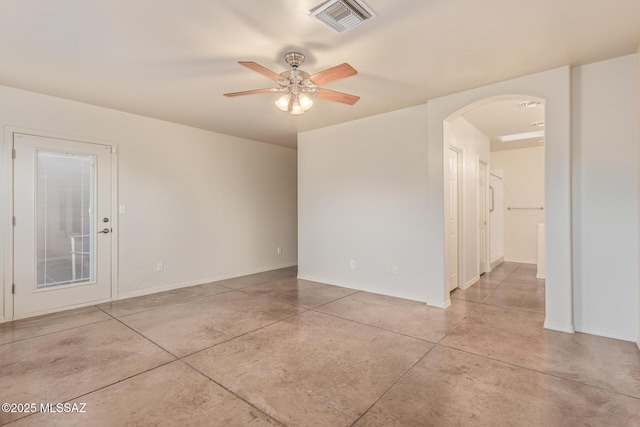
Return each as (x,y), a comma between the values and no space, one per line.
(268,349)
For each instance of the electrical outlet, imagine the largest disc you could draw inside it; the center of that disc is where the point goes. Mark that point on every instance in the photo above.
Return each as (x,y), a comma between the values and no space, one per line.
(159,267)
(279,251)
(395,270)
(388,269)
(352,264)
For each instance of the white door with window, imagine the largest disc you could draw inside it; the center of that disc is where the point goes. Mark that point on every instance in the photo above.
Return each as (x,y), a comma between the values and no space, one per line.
(62,229)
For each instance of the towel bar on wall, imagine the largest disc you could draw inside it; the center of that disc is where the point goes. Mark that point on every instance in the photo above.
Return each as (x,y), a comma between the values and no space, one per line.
(514,209)
(492,200)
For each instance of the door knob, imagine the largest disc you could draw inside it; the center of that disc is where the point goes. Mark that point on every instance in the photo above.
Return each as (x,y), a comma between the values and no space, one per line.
(105,231)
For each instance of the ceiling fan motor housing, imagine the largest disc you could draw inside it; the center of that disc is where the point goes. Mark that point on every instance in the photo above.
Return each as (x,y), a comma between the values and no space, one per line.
(294,59)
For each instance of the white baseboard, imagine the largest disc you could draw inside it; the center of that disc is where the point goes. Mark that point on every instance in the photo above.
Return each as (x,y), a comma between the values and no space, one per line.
(558,327)
(522,261)
(327,282)
(616,335)
(446,304)
(541,276)
(496,262)
(364,289)
(56,310)
(334,283)
(165,288)
(470,282)
(173,286)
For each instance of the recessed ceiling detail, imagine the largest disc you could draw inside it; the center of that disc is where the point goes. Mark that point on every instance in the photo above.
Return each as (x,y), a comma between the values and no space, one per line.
(521,136)
(343,15)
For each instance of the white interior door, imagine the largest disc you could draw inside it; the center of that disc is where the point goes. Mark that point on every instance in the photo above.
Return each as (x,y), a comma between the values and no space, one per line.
(62,232)
(496,216)
(483,216)
(453,257)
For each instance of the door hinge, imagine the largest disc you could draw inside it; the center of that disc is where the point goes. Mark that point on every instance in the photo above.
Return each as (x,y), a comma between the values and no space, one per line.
(13,288)
(13,153)
(13,221)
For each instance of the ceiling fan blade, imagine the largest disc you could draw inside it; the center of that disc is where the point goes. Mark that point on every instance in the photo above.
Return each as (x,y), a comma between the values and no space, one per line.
(332,74)
(250,92)
(332,95)
(260,69)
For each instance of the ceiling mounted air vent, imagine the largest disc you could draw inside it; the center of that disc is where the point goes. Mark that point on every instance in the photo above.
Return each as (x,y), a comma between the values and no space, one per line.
(343,15)
(528,104)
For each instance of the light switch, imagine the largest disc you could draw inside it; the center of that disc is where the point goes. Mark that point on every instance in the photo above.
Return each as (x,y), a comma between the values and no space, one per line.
(122,209)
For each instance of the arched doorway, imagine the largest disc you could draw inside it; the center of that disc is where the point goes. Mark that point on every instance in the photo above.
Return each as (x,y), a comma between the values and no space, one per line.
(554,87)
(498,145)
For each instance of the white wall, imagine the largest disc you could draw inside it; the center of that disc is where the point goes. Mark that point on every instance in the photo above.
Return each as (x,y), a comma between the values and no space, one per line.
(523,184)
(362,189)
(475,147)
(605,197)
(362,197)
(207,205)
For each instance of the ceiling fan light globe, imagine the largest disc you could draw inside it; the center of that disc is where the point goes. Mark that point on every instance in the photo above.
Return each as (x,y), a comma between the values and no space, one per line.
(283,103)
(297,108)
(305,102)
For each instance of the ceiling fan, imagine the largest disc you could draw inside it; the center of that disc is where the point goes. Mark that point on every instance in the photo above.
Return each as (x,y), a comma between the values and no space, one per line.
(298,86)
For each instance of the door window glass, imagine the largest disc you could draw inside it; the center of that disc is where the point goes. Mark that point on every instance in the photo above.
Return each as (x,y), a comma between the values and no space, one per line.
(65,187)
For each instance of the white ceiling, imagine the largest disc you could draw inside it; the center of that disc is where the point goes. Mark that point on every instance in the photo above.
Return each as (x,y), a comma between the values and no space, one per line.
(507,118)
(173,59)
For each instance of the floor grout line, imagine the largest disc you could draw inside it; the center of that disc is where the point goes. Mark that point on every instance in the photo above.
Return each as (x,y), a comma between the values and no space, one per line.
(550,374)
(70,400)
(55,332)
(170,304)
(337,299)
(475,307)
(373,326)
(244,334)
(232,392)
(392,386)
(273,298)
(146,338)
(511,306)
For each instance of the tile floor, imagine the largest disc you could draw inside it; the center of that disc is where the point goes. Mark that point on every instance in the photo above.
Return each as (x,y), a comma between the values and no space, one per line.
(268,349)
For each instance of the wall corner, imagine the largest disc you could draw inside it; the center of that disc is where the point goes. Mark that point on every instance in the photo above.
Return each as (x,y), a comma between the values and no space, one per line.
(638,148)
